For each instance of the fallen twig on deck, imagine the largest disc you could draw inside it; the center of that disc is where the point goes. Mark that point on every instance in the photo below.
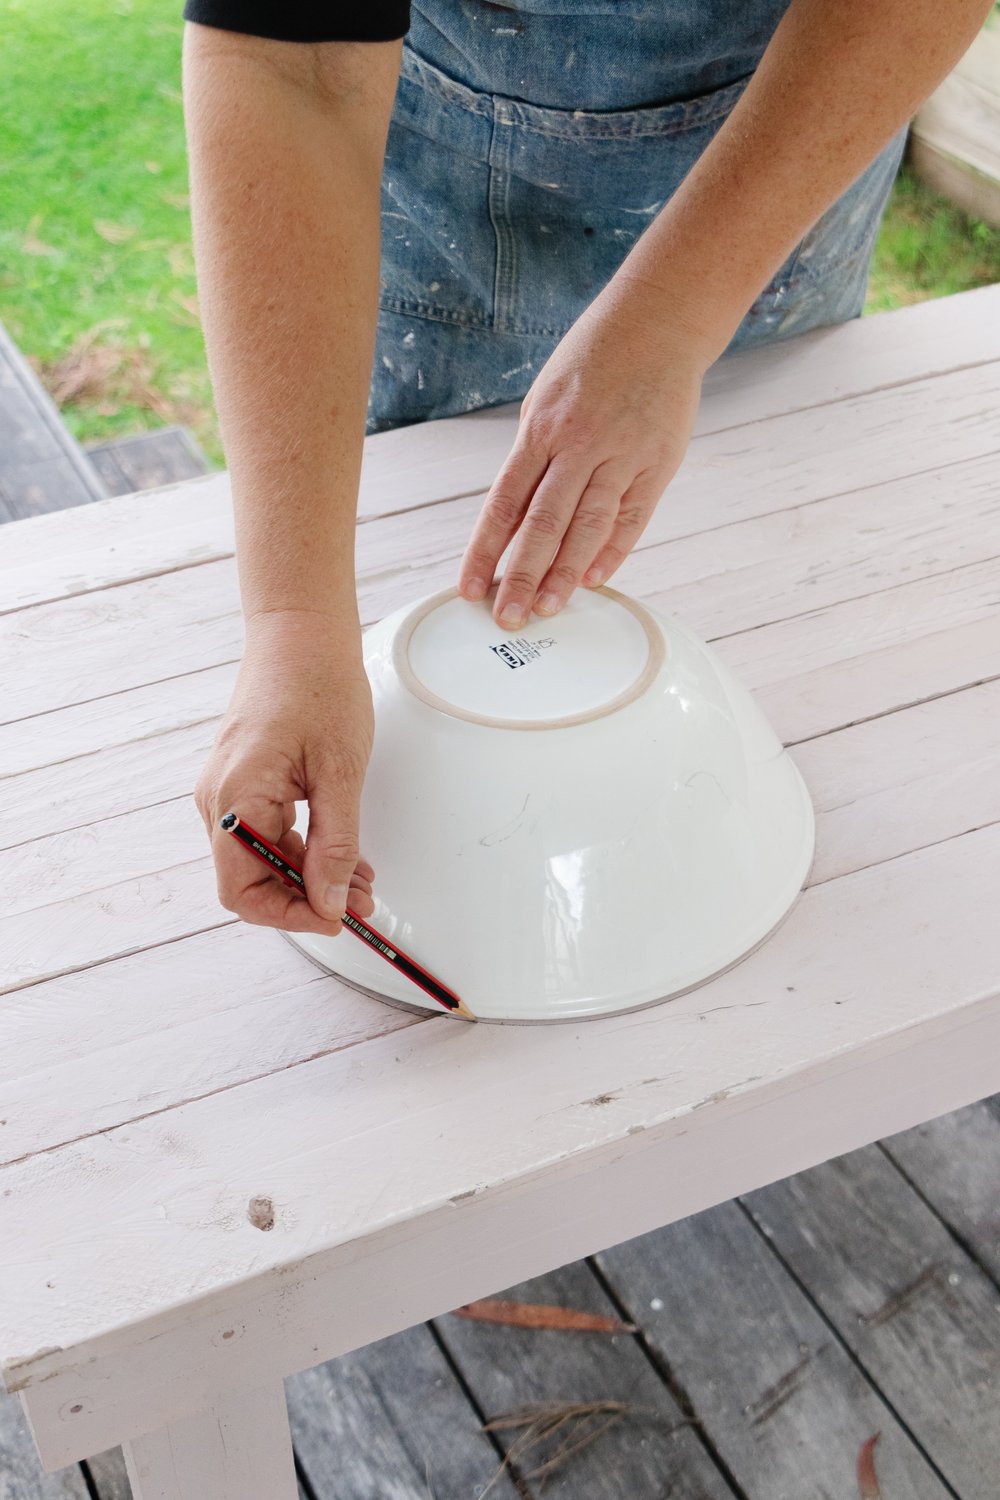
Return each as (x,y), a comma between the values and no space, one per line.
(543,1421)
(541,1315)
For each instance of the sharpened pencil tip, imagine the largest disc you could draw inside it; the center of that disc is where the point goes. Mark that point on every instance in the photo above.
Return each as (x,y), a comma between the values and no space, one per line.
(464,1011)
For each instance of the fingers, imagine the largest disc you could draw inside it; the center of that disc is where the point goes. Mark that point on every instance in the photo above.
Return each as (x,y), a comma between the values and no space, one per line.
(592,524)
(569,503)
(245,886)
(332,853)
(248,889)
(634,512)
(500,517)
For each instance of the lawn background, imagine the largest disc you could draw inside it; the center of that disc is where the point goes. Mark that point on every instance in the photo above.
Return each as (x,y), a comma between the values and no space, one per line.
(97,282)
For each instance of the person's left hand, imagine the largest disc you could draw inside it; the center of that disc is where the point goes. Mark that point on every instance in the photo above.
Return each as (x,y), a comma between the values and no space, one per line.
(601,433)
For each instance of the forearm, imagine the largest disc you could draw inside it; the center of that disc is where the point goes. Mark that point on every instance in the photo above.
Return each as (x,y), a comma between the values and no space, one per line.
(836,82)
(285,179)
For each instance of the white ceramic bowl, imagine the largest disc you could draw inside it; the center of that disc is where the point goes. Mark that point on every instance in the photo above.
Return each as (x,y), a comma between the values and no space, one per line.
(579,819)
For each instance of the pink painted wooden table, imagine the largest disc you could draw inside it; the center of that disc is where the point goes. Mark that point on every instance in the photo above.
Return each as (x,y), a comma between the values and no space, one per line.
(162,1066)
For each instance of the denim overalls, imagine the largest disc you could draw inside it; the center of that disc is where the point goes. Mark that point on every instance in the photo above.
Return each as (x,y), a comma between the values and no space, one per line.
(529,146)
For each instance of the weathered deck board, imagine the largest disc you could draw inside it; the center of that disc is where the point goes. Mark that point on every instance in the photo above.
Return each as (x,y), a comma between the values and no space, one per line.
(954,1161)
(774,1388)
(650,1450)
(391,1421)
(148,460)
(904,1296)
(42,468)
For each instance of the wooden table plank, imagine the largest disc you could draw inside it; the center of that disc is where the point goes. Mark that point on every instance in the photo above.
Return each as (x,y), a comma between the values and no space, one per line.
(422,465)
(120,638)
(357,1147)
(89,648)
(881,789)
(186,1032)
(360,1195)
(131,880)
(905,1297)
(773,1386)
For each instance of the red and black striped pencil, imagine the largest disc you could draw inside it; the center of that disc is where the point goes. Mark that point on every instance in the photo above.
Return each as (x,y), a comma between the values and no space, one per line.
(293,876)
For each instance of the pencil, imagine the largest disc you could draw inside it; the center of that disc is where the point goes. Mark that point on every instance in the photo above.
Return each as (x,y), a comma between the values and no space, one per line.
(292,876)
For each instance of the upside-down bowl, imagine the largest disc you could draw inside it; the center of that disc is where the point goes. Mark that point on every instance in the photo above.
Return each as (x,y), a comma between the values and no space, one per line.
(582,818)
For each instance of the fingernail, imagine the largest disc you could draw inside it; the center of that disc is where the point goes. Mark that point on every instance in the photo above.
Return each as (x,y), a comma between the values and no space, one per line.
(548,604)
(335,900)
(475,588)
(595,575)
(511,616)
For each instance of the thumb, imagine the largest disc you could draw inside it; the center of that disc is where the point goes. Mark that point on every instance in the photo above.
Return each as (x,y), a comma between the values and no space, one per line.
(332,849)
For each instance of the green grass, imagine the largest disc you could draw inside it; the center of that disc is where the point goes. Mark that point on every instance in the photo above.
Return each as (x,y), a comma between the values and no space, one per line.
(96,274)
(928,248)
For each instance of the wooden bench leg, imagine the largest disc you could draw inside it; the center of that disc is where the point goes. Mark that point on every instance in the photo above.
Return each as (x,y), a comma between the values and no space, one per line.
(239,1449)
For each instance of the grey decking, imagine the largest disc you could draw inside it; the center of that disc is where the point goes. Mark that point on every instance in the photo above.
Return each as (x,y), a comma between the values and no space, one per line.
(43,468)
(147,460)
(776,1334)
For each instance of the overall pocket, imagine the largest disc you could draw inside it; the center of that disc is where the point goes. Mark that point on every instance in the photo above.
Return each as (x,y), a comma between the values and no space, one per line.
(505,215)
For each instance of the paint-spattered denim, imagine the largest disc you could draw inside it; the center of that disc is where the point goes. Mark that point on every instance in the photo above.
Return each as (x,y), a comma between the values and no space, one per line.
(529,146)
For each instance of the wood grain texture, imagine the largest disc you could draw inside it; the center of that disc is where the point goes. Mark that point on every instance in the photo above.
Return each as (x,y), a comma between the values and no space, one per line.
(186,1031)
(421,466)
(42,467)
(148,460)
(832,530)
(906,1299)
(707,1060)
(649,1448)
(160,627)
(775,1389)
(961,118)
(391,1421)
(954,1162)
(880,789)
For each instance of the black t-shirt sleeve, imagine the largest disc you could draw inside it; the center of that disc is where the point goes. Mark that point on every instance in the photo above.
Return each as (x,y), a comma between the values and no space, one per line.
(306,20)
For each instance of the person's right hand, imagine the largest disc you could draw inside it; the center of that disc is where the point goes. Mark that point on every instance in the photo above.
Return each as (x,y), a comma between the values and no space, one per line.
(299,727)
